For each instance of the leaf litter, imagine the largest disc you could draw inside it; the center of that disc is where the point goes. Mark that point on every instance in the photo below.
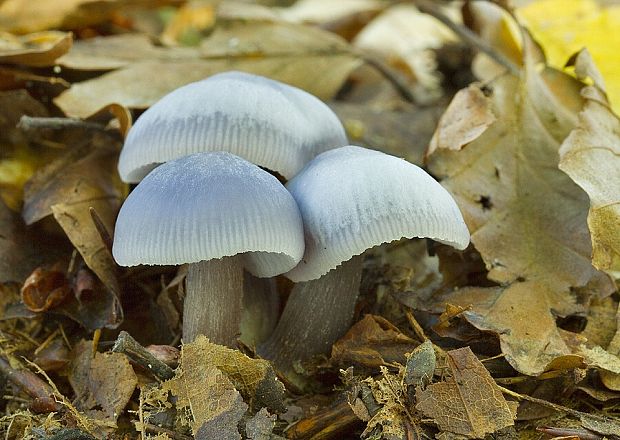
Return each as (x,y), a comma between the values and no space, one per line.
(445,344)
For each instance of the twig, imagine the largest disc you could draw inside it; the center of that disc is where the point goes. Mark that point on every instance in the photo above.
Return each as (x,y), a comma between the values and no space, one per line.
(468,36)
(106,238)
(582,434)
(328,422)
(30,123)
(61,399)
(31,384)
(141,356)
(390,74)
(553,406)
(518,379)
(415,326)
(419,331)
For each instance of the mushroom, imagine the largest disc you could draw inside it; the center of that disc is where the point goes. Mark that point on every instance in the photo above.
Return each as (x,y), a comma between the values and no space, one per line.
(269,123)
(352,199)
(220,214)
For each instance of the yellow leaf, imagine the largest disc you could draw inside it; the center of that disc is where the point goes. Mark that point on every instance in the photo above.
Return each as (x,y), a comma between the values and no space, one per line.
(591,157)
(564,27)
(14,173)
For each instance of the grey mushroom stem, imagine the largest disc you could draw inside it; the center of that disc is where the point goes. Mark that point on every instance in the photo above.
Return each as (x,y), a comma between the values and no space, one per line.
(214,300)
(317,314)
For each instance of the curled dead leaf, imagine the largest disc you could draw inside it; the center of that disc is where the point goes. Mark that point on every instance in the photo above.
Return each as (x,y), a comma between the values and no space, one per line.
(38,49)
(468,116)
(44,289)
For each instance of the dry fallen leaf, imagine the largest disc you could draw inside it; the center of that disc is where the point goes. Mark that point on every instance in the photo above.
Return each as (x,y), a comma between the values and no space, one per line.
(23,16)
(260,426)
(370,343)
(208,396)
(406,38)
(254,378)
(420,365)
(530,345)
(391,418)
(23,249)
(591,157)
(18,158)
(527,218)
(457,129)
(306,57)
(117,51)
(103,383)
(38,49)
(498,29)
(84,177)
(469,402)
(609,374)
(326,13)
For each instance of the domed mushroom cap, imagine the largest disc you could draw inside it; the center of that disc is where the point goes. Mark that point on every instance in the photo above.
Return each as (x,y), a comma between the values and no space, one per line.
(210,205)
(352,199)
(266,122)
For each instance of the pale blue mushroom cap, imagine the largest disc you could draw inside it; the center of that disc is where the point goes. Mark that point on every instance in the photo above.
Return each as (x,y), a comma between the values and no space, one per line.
(266,122)
(353,198)
(210,205)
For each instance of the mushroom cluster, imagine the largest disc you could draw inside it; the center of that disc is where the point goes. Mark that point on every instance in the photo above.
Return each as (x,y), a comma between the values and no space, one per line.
(206,202)
(209,204)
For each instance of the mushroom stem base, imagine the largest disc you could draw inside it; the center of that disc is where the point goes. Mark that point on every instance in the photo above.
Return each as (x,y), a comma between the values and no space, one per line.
(316,315)
(213,301)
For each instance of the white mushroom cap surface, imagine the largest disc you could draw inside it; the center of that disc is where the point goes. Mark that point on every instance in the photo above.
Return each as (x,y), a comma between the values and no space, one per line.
(266,122)
(352,199)
(210,205)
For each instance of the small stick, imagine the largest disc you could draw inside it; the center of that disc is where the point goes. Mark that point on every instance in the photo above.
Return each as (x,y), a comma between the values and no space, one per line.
(96,337)
(582,434)
(415,326)
(468,36)
(388,73)
(141,356)
(419,331)
(32,385)
(106,238)
(518,379)
(30,123)
(327,423)
(553,406)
